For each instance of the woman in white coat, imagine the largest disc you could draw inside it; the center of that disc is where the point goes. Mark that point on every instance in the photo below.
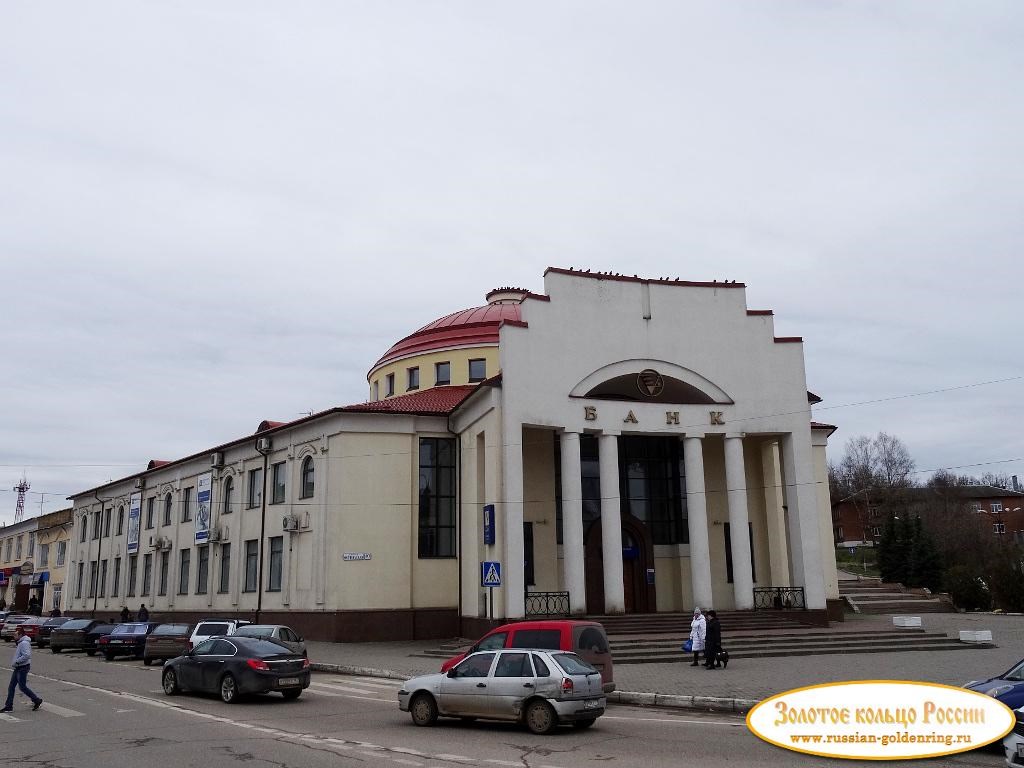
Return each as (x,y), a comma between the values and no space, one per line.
(698,631)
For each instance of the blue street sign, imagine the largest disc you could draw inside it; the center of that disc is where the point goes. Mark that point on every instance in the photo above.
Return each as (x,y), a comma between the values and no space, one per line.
(489,524)
(490,573)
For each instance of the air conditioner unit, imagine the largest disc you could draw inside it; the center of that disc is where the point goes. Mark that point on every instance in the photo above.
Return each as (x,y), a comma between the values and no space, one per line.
(214,535)
(264,444)
(290,523)
(217,459)
(140,482)
(165,544)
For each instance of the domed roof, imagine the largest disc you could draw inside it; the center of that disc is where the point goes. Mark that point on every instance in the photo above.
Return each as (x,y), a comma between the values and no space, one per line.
(473,327)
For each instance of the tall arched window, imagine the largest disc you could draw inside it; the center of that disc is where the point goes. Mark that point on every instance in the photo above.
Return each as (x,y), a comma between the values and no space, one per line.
(307,477)
(167,509)
(229,489)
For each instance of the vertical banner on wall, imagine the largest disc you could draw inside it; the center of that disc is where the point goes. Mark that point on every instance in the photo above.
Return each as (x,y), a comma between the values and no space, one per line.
(204,497)
(134,518)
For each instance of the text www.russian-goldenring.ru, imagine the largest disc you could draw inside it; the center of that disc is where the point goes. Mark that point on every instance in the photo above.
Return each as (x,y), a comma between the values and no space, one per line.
(884,740)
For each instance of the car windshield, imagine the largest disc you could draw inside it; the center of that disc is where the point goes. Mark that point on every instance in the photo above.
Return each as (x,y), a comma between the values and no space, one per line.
(129,629)
(212,629)
(76,624)
(261,648)
(55,622)
(255,631)
(573,664)
(1017,673)
(171,629)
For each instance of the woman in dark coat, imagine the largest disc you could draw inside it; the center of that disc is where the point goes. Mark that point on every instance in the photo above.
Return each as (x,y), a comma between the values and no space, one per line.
(713,641)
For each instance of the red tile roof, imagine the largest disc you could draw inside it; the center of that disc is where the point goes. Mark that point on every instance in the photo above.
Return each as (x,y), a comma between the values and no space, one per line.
(437,401)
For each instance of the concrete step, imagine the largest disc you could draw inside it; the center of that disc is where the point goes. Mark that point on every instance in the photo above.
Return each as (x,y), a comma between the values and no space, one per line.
(825,651)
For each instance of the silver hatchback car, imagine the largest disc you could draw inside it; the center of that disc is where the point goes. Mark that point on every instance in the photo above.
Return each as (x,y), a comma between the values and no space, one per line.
(542,689)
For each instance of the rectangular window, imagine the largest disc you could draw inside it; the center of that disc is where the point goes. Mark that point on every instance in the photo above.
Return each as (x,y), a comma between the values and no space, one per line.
(202,576)
(477,369)
(376,389)
(276,555)
(255,497)
(997,506)
(78,581)
(31,545)
(876,531)
(147,573)
(437,497)
(413,378)
(85,525)
(389,383)
(133,571)
(120,521)
(186,505)
(165,566)
(277,474)
(107,514)
(183,571)
(62,550)
(44,555)
(442,373)
(251,563)
(58,591)
(10,542)
(150,507)
(18,548)
(97,523)
(225,568)
(103,578)
(839,533)
(998,527)
(168,505)
(117,577)
(93,573)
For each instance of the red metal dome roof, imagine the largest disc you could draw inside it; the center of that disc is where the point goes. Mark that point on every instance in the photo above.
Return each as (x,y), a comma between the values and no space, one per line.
(468,328)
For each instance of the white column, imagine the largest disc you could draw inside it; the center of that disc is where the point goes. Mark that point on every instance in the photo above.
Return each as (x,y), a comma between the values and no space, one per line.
(611,524)
(801,497)
(739,535)
(778,548)
(513,569)
(697,513)
(574,574)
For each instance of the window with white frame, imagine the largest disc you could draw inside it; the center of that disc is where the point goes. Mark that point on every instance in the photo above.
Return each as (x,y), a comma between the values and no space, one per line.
(413,379)
(389,381)
(62,550)
(442,373)
(255,488)
(168,506)
(308,478)
(44,555)
(998,527)
(58,591)
(186,505)
(975,506)
(277,483)
(997,506)
(229,492)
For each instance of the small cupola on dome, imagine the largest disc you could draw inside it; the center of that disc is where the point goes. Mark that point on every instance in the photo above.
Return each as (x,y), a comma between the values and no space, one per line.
(506,295)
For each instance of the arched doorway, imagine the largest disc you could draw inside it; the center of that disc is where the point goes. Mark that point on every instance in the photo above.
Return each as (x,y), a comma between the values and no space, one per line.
(637,558)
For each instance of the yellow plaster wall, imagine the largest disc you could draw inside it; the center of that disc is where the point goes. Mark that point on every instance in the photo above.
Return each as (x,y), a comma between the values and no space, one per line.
(459,359)
(539,507)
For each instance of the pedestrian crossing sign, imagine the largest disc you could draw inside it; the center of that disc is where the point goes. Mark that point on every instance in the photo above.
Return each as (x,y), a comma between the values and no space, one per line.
(490,573)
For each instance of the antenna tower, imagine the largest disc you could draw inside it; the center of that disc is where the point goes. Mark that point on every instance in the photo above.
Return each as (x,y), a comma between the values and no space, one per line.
(22,489)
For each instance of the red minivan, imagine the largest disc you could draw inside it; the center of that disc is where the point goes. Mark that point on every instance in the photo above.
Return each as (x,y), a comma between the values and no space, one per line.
(585,638)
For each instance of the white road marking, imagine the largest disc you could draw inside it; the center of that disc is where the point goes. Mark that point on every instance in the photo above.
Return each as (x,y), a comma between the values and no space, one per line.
(504,762)
(406,762)
(457,758)
(346,689)
(9,718)
(310,692)
(673,720)
(62,711)
(119,711)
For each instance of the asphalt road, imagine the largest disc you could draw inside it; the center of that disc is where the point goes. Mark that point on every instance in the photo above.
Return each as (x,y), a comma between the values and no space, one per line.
(101,714)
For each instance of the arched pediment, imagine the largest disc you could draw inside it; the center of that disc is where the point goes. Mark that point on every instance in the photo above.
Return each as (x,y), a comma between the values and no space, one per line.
(650,381)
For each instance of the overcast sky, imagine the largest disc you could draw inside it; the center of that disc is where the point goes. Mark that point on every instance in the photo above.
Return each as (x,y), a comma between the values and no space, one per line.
(216,213)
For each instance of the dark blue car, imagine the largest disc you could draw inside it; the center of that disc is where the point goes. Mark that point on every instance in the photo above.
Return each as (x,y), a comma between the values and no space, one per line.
(1007,687)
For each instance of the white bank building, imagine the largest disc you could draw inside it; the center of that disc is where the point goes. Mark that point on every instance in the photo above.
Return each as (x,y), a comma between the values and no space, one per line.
(612,445)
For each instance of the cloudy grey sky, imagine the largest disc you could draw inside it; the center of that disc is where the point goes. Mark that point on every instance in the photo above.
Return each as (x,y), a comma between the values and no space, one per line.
(215,213)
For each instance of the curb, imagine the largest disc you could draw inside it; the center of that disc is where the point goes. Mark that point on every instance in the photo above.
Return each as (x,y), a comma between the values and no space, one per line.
(703,703)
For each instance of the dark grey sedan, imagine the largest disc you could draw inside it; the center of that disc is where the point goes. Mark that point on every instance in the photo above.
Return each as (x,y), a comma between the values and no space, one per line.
(235,666)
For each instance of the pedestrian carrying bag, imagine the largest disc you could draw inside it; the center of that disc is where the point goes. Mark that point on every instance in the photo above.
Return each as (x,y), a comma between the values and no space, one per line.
(688,646)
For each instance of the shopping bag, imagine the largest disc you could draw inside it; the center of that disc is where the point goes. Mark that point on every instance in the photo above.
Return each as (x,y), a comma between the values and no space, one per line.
(688,646)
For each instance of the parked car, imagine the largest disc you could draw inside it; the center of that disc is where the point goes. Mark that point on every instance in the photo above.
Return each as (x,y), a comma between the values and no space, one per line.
(542,689)
(208,628)
(126,640)
(1007,687)
(13,620)
(166,641)
(235,666)
(279,633)
(31,627)
(1013,742)
(586,638)
(47,627)
(79,635)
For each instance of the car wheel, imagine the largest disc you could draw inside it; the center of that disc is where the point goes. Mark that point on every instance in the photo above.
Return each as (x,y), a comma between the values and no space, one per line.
(147,660)
(582,725)
(291,695)
(423,709)
(108,656)
(228,689)
(90,653)
(170,682)
(54,649)
(540,717)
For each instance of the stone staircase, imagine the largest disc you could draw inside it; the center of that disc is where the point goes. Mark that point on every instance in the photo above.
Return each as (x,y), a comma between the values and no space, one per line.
(656,638)
(873,596)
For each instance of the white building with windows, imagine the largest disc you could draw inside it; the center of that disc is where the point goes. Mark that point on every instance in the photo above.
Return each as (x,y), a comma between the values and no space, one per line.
(611,445)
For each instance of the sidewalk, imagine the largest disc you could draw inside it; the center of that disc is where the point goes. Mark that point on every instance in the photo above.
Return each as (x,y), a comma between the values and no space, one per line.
(746,681)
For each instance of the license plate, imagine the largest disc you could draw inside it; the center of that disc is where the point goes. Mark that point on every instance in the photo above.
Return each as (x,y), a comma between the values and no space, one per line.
(288,681)
(591,703)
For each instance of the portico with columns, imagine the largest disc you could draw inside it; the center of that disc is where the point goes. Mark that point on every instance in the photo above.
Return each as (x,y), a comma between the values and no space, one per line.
(648,448)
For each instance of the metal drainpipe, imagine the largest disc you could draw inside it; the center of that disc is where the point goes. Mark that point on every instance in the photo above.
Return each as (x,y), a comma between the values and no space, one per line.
(263,526)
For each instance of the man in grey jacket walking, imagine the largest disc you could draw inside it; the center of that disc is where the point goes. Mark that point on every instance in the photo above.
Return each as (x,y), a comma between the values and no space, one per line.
(19,675)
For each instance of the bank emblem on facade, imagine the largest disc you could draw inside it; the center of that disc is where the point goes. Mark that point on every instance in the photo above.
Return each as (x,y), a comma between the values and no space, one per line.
(649,382)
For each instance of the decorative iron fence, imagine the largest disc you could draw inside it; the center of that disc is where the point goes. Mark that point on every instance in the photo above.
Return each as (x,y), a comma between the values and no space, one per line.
(779,598)
(547,603)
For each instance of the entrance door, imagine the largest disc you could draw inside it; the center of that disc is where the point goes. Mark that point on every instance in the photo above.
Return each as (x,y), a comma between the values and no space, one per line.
(637,557)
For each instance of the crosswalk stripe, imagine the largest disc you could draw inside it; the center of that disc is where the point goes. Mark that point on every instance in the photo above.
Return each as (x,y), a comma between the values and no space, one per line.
(9,718)
(345,688)
(62,711)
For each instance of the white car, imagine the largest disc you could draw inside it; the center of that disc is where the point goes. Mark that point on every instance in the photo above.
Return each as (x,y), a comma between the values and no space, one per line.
(1013,743)
(208,628)
(542,689)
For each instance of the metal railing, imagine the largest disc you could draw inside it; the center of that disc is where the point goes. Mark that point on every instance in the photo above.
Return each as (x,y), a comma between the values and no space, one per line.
(779,598)
(547,603)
